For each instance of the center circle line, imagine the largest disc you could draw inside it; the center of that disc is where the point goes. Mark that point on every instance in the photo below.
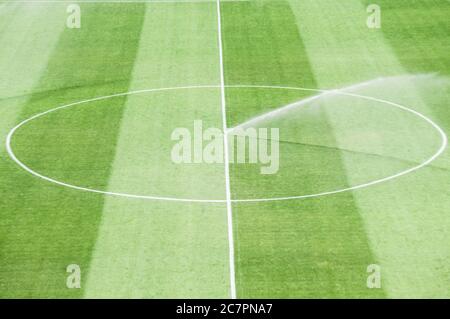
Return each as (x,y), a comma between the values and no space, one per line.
(443,146)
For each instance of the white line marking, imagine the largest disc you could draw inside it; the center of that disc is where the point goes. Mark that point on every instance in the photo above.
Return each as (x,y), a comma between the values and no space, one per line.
(147,197)
(226,157)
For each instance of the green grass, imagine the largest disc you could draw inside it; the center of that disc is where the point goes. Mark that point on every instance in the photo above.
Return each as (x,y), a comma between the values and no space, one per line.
(45,227)
(316,247)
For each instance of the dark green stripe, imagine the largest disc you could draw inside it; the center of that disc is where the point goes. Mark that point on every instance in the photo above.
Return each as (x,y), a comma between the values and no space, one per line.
(45,227)
(418,31)
(302,248)
(262,46)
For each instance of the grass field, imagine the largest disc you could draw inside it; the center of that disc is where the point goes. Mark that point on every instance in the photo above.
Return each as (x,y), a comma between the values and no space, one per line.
(313,247)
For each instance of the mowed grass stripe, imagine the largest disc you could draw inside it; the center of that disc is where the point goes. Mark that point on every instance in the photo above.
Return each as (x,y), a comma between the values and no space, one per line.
(427,38)
(307,248)
(20,71)
(46,227)
(404,219)
(159,249)
(273,56)
(20,68)
(422,47)
(418,33)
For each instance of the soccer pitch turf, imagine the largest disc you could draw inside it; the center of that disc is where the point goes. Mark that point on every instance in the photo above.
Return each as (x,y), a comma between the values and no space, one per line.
(243,234)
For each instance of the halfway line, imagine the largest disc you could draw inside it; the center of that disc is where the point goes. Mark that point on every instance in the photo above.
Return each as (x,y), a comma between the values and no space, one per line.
(226,159)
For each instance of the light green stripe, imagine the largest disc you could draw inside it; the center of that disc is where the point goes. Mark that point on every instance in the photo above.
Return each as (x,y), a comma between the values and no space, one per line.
(149,249)
(26,45)
(45,227)
(403,219)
